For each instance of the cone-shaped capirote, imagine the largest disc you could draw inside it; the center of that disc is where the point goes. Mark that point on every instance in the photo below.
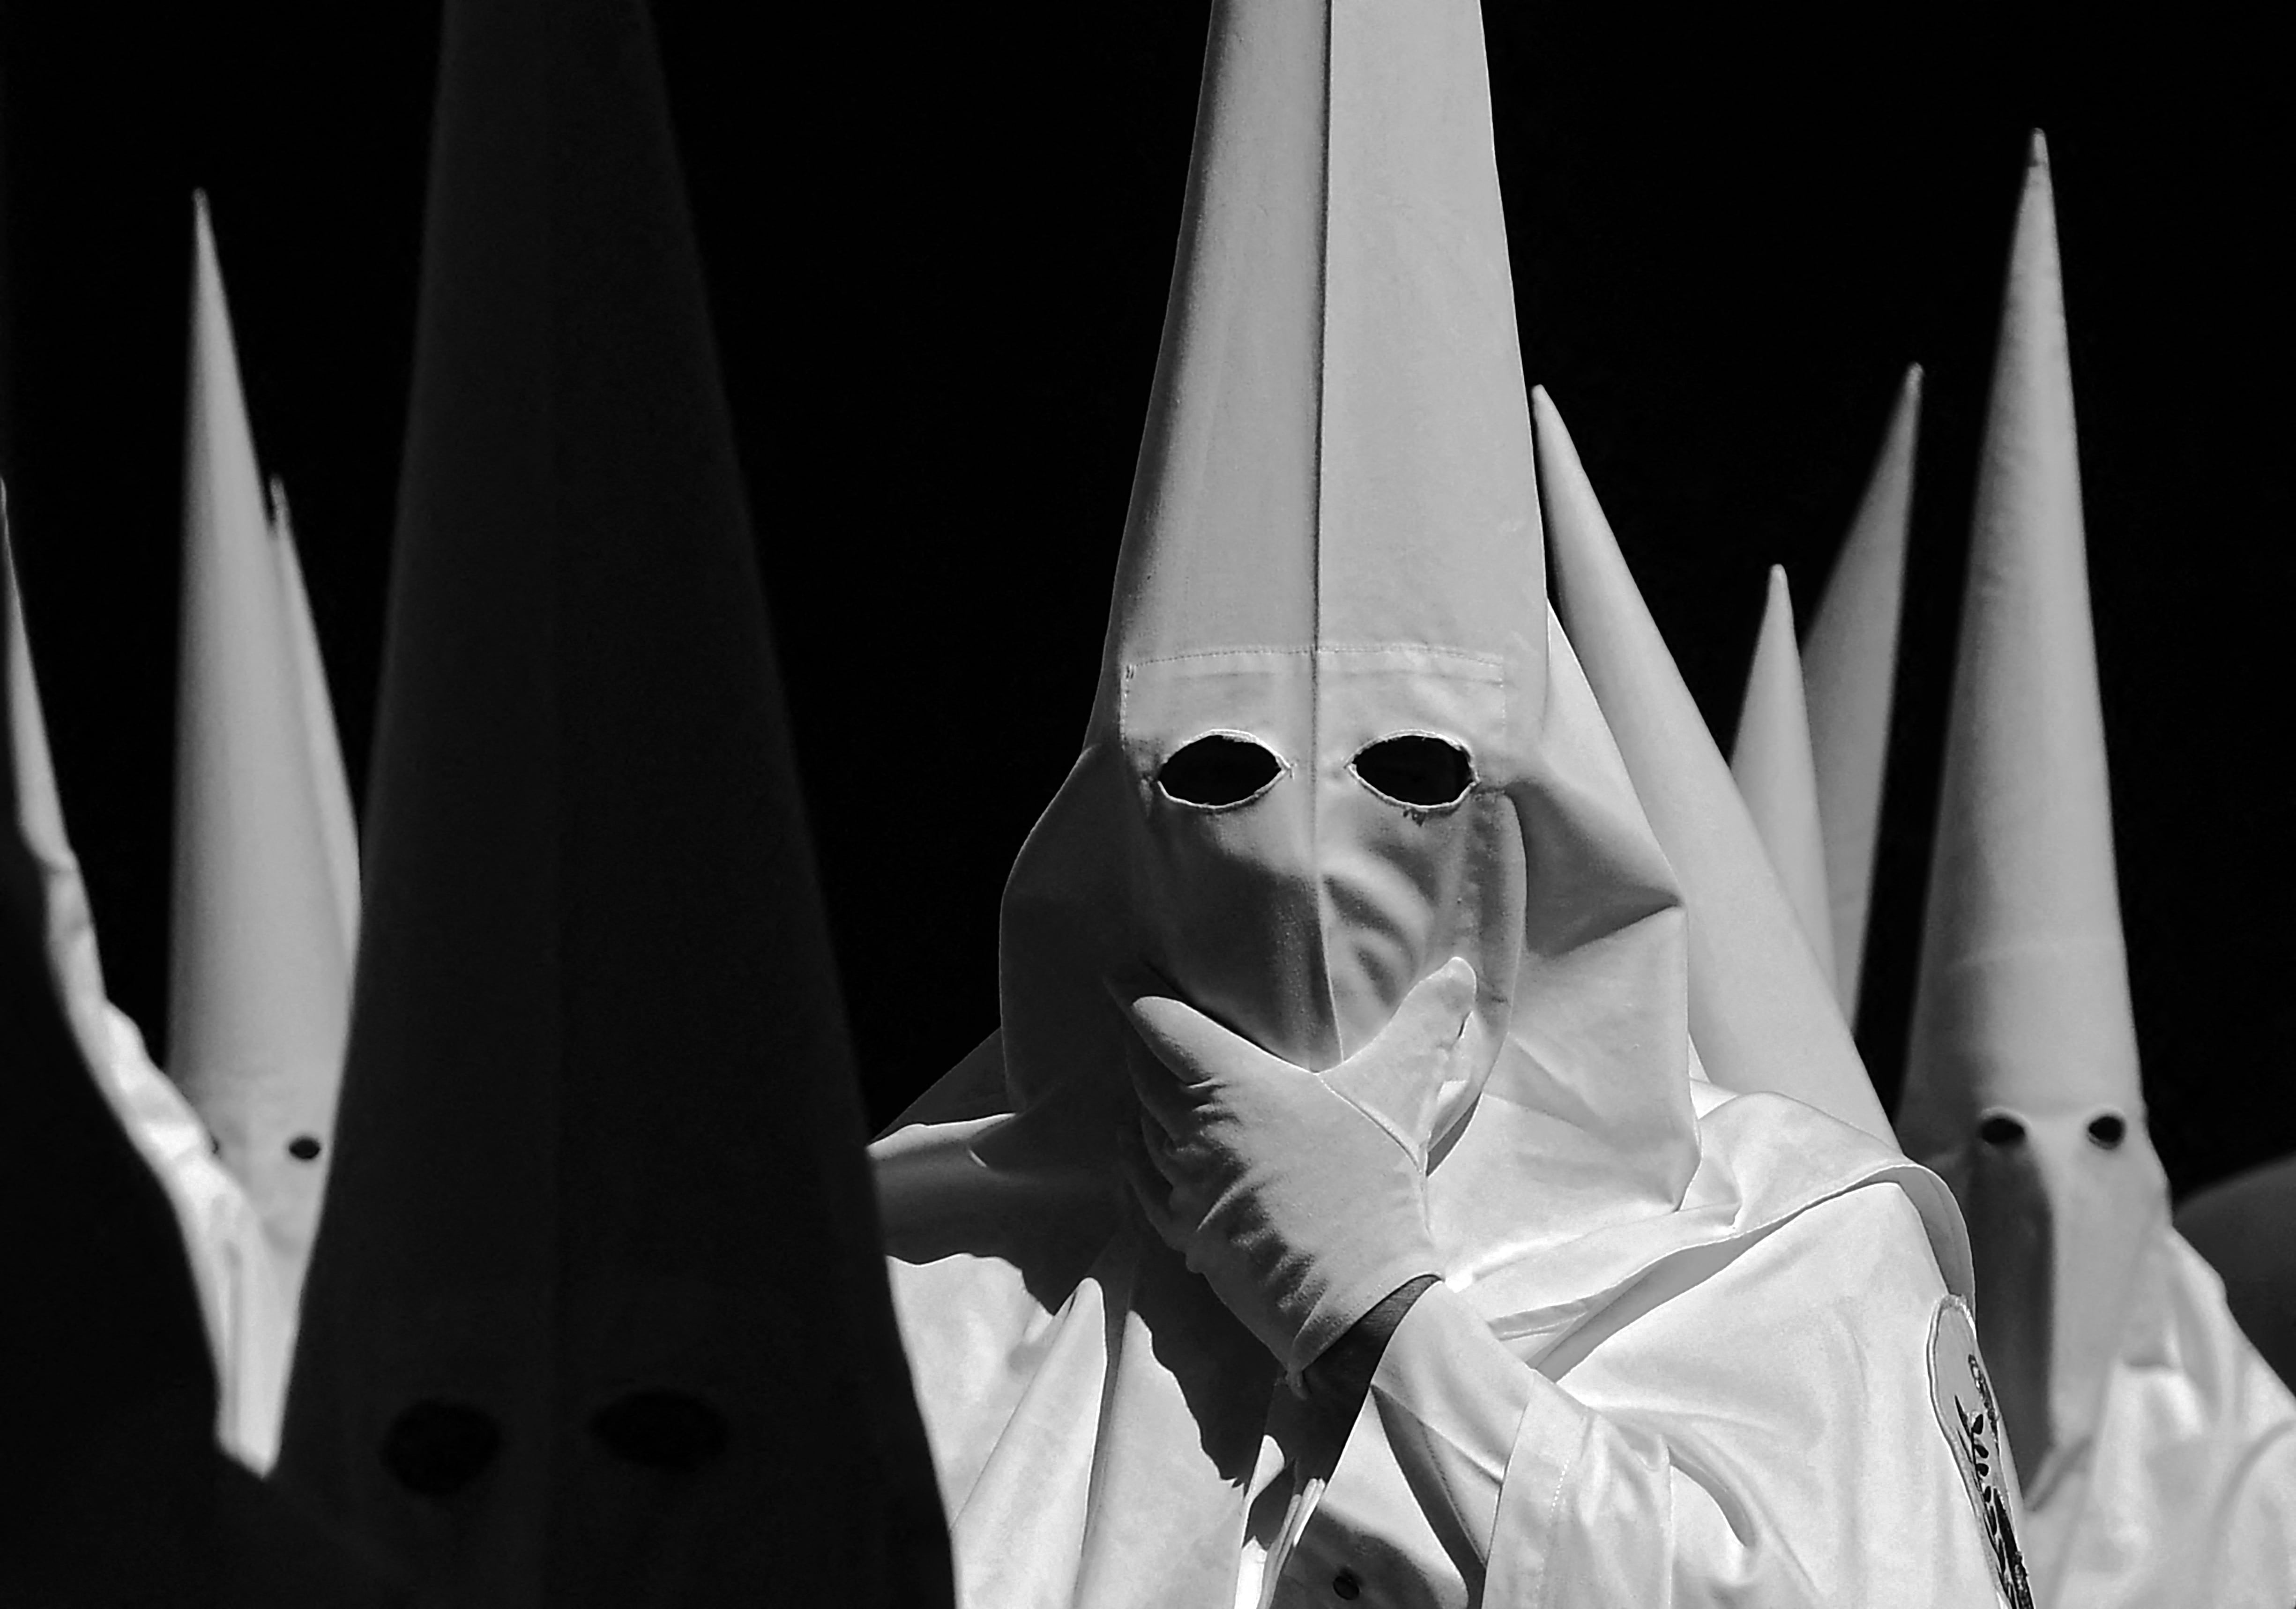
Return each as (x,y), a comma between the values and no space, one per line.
(1332,542)
(597,1313)
(2021,1077)
(2024,986)
(1770,759)
(1332,454)
(1760,1012)
(1849,666)
(259,991)
(116,1490)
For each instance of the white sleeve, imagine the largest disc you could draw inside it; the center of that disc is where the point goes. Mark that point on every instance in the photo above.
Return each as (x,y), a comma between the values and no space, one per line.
(1764,1436)
(1451,1401)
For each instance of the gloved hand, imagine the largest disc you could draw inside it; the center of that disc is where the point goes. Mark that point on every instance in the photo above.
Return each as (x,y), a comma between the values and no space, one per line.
(1301,1199)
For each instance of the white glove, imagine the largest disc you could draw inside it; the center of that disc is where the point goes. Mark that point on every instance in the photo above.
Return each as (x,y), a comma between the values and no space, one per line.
(1301,1199)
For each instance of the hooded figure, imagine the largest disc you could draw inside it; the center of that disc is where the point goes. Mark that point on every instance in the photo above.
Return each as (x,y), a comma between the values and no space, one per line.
(1770,761)
(262,958)
(1849,668)
(117,1492)
(595,1314)
(2157,1451)
(1348,832)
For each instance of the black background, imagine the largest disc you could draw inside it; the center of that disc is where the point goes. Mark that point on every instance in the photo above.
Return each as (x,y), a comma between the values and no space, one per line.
(939,245)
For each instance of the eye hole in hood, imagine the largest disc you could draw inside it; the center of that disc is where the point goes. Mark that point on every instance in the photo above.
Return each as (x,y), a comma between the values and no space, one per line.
(660,1429)
(1415,770)
(1999,1128)
(2107,1129)
(434,1449)
(1220,771)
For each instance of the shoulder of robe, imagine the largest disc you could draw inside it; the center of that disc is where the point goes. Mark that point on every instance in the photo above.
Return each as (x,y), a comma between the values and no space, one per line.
(1780,1157)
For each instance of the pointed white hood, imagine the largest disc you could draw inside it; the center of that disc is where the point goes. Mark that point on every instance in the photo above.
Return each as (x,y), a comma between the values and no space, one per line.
(1770,761)
(1330,547)
(1849,668)
(2022,1081)
(597,1312)
(1760,1008)
(1315,768)
(259,993)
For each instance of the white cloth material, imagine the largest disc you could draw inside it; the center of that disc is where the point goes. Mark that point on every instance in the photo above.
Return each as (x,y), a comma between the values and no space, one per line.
(1718,1405)
(2022,1085)
(260,992)
(2185,1494)
(250,1322)
(1662,1454)
(1761,1012)
(2021,1013)
(1849,664)
(248,1319)
(2242,1224)
(1770,761)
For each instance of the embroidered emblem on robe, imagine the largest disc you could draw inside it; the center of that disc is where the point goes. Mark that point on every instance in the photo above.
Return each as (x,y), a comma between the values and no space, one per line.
(1966,1412)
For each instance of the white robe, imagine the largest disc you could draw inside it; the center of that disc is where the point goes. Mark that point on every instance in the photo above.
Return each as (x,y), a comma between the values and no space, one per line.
(2186,1492)
(1729,1403)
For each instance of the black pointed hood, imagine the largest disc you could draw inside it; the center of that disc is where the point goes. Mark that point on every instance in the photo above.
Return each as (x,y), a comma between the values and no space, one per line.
(596,1312)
